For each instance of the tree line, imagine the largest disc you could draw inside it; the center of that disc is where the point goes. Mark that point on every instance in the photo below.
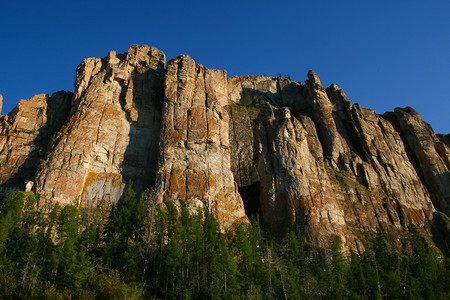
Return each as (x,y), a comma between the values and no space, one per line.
(138,250)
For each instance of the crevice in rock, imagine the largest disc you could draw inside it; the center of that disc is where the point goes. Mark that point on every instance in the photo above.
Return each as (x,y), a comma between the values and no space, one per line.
(354,138)
(360,175)
(401,214)
(250,197)
(123,92)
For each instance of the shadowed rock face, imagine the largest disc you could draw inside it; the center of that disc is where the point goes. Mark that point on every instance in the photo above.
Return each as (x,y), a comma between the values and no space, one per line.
(332,168)
(431,154)
(312,158)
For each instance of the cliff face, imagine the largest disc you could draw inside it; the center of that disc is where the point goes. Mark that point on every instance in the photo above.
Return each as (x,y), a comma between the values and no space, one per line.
(299,154)
(25,135)
(194,163)
(326,165)
(112,133)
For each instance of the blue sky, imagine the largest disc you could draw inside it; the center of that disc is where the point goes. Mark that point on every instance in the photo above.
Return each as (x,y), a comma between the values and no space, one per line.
(384,54)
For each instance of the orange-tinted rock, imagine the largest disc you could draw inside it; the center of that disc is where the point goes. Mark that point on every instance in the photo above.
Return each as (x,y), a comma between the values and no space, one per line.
(25,134)
(113,131)
(195,158)
(301,155)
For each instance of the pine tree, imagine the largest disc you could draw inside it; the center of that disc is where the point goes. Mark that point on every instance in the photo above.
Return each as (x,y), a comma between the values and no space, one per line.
(70,264)
(123,231)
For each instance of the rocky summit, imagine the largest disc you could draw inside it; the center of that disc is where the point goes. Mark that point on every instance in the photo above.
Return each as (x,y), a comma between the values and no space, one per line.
(298,155)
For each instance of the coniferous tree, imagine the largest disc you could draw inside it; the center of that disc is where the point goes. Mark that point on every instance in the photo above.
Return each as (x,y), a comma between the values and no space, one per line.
(70,264)
(302,283)
(175,254)
(124,228)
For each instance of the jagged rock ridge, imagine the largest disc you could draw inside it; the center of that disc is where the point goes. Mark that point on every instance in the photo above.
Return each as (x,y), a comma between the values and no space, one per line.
(301,155)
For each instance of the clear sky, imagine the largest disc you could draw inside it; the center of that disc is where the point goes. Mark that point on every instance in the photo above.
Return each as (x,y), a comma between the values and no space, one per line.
(384,54)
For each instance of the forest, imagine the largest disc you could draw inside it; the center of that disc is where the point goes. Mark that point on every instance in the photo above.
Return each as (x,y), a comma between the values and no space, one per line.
(139,251)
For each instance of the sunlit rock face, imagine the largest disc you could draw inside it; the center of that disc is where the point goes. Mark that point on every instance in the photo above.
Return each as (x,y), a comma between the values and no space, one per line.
(112,133)
(25,135)
(297,155)
(195,164)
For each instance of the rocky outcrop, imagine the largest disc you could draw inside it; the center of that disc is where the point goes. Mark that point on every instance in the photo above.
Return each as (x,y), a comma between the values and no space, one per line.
(348,178)
(195,146)
(25,134)
(111,136)
(430,154)
(295,186)
(324,115)
(298,155)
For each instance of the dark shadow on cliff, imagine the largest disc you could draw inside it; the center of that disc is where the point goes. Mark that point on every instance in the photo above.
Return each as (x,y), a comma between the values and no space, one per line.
(141,155)
(250,197)
(440,230)
(296,98)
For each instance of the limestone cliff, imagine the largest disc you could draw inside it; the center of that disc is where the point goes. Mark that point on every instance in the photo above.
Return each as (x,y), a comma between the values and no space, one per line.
(112,133)
(326,165)
(25,135)
(195,154)
(297,154)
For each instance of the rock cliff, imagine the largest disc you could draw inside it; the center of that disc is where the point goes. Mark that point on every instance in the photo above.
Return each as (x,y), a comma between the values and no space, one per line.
(111,134)
(25,135)
(195,163)
(296,154)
